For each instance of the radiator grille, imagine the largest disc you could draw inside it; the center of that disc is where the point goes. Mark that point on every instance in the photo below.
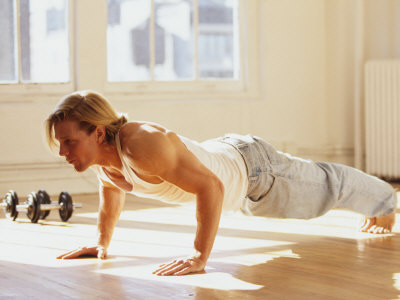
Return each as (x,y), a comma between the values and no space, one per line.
(382,114)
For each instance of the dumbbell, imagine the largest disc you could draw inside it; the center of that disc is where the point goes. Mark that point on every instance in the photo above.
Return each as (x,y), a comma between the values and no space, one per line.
(38,205)
(65,206)
(9,204)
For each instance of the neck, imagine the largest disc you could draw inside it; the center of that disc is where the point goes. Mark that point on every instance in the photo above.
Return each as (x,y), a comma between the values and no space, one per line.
(109,158)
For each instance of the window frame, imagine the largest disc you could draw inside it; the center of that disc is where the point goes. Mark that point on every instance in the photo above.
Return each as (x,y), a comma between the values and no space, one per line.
(88,46)
(19,87)
(246,85)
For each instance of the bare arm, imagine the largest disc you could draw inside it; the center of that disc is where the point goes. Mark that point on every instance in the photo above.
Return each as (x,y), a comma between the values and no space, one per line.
(111,203)
(208,213)
(162,154)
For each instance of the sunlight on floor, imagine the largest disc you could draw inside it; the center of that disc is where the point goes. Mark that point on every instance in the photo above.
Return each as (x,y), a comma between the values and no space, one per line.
(210,280)
(396,279)
(145,238)
(327,225)
(253,259)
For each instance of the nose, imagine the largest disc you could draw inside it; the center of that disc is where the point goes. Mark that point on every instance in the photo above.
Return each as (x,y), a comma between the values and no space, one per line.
(63,151)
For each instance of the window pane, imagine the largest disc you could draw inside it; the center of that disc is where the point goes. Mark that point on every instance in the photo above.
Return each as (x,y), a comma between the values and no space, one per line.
(7,42)
(218,39)
(132,52)
(173,40)
(128,43)
(44,41)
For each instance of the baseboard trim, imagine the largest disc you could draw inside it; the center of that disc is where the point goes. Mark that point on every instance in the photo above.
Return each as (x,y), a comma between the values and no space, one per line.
(344,155)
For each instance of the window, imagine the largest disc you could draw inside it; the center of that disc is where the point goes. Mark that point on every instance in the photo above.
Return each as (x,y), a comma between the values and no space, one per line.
(147,48)
(172,40)
(34,46)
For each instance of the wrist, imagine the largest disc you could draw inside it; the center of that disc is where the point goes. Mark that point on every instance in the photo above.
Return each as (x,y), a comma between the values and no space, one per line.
(103,240)
(200,256)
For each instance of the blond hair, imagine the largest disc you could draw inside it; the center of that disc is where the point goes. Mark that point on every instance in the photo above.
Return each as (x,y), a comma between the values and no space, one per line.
(90,109)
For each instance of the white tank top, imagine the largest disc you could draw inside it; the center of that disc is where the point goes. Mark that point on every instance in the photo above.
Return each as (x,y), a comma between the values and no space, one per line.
(221,158)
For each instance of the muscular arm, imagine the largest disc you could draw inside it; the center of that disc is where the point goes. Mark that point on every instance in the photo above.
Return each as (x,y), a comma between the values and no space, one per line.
(208,213)
(111,204)
(160,153)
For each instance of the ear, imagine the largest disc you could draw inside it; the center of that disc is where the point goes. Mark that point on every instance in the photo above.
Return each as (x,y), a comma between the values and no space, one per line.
(100,133)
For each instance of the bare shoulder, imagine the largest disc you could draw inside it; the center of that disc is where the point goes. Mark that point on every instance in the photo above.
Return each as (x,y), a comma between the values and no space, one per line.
(143,133)
(146,141)
(134,129)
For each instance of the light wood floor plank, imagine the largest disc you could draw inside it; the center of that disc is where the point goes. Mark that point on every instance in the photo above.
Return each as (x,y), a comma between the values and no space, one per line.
(253,258)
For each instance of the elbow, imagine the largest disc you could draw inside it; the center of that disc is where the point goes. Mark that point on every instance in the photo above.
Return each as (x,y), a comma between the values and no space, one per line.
(218,188)
(221,188)
(212,190)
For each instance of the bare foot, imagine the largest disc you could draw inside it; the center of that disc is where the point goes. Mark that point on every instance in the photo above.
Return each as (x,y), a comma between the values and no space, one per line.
(378,225)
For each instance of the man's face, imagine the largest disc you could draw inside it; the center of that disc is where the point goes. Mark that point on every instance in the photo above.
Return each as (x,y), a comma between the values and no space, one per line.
(78,147)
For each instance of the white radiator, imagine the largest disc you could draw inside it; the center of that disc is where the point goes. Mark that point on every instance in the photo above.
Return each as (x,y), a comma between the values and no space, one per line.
(382,117)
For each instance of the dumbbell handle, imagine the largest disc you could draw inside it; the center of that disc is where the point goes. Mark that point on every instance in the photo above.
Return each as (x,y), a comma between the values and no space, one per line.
(56,206)
(52,206)
(21,207)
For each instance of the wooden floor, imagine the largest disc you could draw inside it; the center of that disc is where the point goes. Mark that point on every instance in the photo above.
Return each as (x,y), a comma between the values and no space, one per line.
(253,258)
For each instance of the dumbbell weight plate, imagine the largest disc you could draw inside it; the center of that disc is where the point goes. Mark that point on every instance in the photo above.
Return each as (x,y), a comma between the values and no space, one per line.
(44,198)
(33,210)
(65,201)
(12,202)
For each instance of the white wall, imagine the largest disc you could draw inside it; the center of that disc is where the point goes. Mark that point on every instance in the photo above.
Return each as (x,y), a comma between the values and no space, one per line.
(292,110)
(305,105)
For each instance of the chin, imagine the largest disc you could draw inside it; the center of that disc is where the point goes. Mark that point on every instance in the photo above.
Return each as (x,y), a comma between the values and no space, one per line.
(80,168)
